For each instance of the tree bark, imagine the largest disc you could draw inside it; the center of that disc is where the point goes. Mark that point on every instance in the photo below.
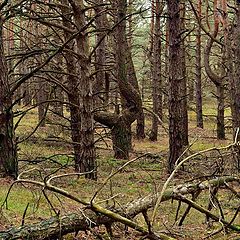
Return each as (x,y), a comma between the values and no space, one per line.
(235,74)
(156,74)
(130,96)
(199,71)
(184,98)
(8,148)
(41,97)
(87,159)
(132,78)
(100,90)
(80,94)
(216,79)
(220,112)
(176,142)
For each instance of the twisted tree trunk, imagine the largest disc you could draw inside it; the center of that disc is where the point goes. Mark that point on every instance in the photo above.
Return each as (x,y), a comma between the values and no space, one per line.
(218,81)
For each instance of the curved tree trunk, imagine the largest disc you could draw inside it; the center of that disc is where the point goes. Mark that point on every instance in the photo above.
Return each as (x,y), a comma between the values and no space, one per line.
(132,78)
(140,127)
(217,80)
(120,123)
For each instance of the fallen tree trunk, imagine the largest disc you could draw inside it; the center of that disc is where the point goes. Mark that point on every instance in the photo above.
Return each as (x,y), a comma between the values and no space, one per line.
(142,204)
(58,226)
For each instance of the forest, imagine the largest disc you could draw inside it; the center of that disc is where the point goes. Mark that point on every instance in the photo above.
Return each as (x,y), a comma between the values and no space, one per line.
(119,119)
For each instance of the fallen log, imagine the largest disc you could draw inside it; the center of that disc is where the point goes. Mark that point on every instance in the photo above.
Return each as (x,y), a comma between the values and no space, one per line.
(95,215)
(142,204)
(56,227)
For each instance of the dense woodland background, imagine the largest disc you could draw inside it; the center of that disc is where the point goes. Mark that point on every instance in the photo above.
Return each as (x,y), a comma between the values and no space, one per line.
(119,119)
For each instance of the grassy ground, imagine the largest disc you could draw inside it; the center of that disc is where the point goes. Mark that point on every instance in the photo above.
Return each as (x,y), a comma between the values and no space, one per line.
(139,179)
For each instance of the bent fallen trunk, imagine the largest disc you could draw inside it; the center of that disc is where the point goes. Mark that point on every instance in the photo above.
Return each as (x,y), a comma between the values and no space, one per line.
(90,217)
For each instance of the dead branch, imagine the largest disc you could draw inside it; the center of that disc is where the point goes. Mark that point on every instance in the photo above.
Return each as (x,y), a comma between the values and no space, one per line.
(95,215)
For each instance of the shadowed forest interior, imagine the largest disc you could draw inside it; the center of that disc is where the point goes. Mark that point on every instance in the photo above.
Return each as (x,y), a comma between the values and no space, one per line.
(119,119)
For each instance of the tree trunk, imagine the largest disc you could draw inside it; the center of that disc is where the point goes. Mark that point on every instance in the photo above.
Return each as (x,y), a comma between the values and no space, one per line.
(199,71)
(8,148)
(121,139)
(156,75)
(122,79)
(132,78)
(100,91)
(41,97)
(120,123)
(85,81)
(175,75)
(220,112)
(80,96)
(166,66)
(235,82)
(216,79)
(183,80)
(140,127)
(73,90)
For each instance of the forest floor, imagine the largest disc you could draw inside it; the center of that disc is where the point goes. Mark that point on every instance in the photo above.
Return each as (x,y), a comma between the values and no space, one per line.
(45,153)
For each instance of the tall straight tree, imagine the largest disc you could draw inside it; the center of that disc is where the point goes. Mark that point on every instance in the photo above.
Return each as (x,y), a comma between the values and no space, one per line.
(234,67)
(184,111)
(87,161)
(175,83)
(101,81)
(8,151)
(157,95)
(79,89)
(199,69)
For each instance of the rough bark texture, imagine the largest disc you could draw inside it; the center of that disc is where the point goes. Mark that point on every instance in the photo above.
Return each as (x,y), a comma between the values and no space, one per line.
(73,88)
(175,75)
(8,151)
(80,95)
(41,97)
(184,110)
(156,74)
(87,149)
(100,90)
(234,73)
(199,71)
(220,112)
